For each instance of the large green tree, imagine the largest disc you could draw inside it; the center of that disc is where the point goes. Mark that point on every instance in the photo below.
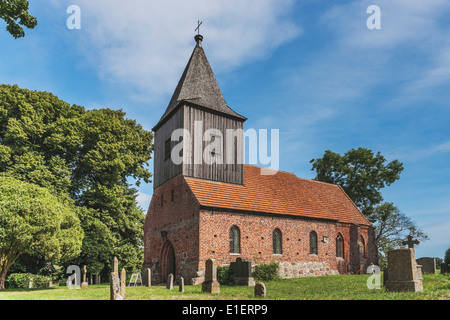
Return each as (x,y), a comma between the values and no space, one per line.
(34,221)
(360,172)
(15,14)
(90,155)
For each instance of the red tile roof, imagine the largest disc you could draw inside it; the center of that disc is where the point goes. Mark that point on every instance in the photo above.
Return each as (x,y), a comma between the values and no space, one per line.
(282,193)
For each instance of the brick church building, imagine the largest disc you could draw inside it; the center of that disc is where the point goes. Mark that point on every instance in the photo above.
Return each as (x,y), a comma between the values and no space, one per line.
(223,210)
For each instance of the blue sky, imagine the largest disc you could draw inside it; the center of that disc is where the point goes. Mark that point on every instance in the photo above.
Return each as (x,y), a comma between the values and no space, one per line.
(311,69)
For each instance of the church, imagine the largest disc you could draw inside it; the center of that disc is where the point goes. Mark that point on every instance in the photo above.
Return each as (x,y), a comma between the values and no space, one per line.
(204,209)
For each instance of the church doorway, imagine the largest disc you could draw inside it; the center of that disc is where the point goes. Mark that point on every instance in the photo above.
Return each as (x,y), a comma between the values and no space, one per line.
(168,261)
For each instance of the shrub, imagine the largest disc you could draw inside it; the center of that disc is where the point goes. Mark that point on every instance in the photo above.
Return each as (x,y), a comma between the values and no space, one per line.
(19,280)
(224,275)
(40,281)
(22,280)
(266,272)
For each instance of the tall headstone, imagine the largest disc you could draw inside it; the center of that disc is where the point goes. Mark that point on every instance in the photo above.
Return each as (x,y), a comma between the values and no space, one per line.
(115,265)
(123,277)
(114,283)
(242,272)
(84,284)
(260,290)
(149,277)
(211,285)
(181,284)
(170,282)
(403,272)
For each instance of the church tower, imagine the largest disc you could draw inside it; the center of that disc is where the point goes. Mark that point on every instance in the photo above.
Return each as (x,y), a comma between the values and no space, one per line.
(199,135)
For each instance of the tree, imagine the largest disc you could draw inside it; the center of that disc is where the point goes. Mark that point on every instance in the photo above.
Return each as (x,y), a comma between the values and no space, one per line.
(89,155)
(392,227)
(32,220)
(447,257)
(360,173)
(15,13)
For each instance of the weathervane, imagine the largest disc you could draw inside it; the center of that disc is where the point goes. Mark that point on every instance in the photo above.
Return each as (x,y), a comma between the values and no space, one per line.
(198,27)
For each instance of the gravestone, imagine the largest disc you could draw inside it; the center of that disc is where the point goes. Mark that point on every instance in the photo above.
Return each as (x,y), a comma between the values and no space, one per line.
(403,272)
(115,265)
(428,264)
(149,277)
(260,289)
(114,283)
(181,284)
(170,282)
(84,284)
(444,268)
(123,277)
(211,285)
(242,271)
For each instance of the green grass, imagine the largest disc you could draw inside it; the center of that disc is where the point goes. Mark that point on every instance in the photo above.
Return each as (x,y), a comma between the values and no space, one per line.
(343,287)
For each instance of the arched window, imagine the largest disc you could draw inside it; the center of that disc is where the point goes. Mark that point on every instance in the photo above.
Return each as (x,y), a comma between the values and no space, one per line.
(235,240)
(313,243)
(339,246)
(362,248)
(277,241)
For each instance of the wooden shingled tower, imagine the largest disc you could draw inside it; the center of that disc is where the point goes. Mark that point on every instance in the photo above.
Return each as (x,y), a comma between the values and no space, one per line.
(198,105)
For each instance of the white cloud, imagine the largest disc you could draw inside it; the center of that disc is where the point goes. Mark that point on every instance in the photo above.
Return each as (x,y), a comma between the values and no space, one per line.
(146,44)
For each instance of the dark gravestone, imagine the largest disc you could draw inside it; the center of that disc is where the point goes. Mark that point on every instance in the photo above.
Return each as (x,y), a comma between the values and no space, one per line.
(242,272)
(444,268)
(260,290)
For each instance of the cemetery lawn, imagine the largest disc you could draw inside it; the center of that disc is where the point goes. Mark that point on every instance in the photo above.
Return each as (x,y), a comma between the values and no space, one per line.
(342,287)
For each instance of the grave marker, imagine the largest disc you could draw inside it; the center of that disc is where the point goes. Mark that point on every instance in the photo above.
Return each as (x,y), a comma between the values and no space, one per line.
(211,285)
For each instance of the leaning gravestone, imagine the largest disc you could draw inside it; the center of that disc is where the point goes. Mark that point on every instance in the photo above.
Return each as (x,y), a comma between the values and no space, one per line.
(181,284)
(170,282)
(428,265)
(242,272)
(211,285)
(260,289)
(403,272)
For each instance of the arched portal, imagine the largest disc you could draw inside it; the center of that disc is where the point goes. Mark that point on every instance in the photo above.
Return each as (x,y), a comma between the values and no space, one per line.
(168,261)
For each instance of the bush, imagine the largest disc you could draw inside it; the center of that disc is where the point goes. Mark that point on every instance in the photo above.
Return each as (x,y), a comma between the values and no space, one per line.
(41,281)
(22,280)
(225,275)
(19,280)
(266,272)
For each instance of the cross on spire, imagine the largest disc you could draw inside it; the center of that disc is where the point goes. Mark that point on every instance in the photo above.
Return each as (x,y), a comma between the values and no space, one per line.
(199,23)
(410,242)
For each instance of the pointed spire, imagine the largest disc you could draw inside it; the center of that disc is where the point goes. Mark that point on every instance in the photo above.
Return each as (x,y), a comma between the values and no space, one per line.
(199,86)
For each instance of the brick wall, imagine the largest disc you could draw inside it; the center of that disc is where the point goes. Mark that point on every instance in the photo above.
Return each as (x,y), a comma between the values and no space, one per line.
(175,219)
(172,219)
(295,260)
